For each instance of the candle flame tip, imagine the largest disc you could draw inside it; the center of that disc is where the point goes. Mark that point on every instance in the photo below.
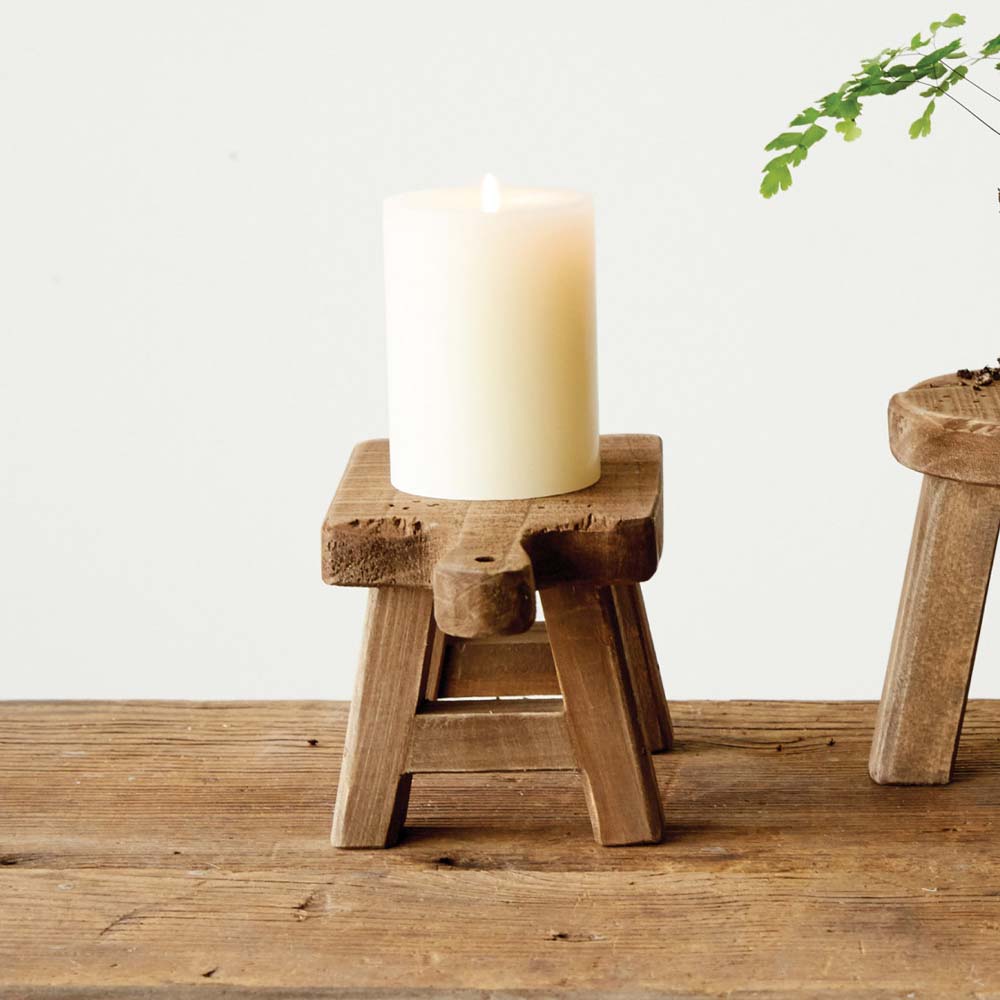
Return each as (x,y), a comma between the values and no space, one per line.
(489,194)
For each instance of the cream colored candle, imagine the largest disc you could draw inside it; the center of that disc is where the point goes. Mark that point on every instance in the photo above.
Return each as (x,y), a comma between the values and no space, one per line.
(491,345)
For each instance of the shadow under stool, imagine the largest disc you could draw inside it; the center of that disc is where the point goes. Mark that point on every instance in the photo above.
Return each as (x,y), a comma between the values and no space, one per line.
(453,663)
(948,429)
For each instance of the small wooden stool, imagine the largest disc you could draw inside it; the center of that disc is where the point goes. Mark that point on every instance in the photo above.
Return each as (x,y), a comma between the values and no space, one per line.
(950,431)
(449,580)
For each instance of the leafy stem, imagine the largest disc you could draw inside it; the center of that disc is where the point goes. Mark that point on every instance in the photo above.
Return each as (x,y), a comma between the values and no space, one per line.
(971,82)
(891,71)
(964,107)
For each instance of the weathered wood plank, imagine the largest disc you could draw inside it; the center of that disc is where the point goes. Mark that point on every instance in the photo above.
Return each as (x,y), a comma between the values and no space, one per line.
(643,668)
(484,584)
(499,666)
(374,788)
(375,536)
(513,735)
(166,850)
(937,631)
(618,778)
(948,427)
(435,666)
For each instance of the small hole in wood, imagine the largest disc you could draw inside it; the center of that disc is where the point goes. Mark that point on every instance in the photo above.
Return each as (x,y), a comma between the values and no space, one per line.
(485,559)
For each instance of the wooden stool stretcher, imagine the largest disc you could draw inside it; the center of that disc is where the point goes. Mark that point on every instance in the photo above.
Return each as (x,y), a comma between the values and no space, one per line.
(451,618)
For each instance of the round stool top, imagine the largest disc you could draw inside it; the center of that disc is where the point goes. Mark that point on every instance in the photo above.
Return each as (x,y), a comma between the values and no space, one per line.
(948,427)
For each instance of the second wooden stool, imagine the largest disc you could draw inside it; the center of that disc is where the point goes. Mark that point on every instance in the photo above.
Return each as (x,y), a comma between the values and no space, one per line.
(949,429)
(449,581)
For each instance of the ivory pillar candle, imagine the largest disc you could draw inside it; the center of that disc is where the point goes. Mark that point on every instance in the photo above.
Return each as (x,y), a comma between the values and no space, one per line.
(491,343)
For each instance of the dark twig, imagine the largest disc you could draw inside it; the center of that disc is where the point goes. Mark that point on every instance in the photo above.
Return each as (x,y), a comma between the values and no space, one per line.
(974,84)
(964,107)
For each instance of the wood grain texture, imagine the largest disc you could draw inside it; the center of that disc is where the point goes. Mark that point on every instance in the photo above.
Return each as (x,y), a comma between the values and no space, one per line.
(613,760)
(516,734)
(946,427)
(498,666)
(644,670)
(435,666)
(937,631)
(374,789)
(374,536)
(177,851)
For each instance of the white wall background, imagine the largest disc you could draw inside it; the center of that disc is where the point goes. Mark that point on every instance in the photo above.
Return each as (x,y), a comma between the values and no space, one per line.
(191,315)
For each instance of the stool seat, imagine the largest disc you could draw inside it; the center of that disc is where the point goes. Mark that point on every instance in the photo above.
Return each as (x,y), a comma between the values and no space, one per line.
(948,427)
(485,559)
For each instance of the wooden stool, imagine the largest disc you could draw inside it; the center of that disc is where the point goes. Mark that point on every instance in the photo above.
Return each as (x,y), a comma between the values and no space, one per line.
(449,580)
(950,431)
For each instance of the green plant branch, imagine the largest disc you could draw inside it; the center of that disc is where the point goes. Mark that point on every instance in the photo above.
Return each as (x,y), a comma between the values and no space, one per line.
(969,110)
(890,72)
(969,80)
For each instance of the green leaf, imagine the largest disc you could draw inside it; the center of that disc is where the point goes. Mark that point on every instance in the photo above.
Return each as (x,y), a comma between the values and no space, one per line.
(785,140)
(777,177)
(797,143)
(870,89)
(951,21)
(806,117)
(922,126)
(849,130)
(938,54)
(992,47)
(812,135)
(916,42)
(838,105)
(958,73)
(901,84)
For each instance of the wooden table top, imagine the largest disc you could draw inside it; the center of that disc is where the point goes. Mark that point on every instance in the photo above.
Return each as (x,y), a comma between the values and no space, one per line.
(174,850)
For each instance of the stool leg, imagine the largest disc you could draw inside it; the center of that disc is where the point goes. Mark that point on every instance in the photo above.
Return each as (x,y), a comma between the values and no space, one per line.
(937,629)
(373,790)
(618,777)
(432,686)
(644,671)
